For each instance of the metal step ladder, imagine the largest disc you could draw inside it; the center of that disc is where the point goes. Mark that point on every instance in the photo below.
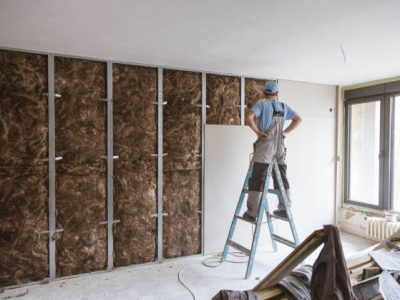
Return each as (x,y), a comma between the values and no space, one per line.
(281,193)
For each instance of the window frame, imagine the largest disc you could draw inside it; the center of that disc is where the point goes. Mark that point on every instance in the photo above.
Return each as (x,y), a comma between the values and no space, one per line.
(385,94)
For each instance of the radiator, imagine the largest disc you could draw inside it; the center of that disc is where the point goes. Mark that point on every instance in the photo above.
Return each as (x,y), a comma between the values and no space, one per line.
(379,229)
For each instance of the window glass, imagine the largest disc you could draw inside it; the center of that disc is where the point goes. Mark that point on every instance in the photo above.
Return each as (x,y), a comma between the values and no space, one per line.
(364,152)
(396,162)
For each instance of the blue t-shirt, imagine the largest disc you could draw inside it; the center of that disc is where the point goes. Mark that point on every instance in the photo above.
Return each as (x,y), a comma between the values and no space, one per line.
(264,110)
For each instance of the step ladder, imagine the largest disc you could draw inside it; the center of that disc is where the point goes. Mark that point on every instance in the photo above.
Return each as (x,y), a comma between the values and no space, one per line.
(281,193)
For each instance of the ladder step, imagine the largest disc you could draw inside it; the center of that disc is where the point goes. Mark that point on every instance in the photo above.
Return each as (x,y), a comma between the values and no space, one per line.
(276,192)
(239,247)
(278,217)
(245,190)
(283,240)
(244,219)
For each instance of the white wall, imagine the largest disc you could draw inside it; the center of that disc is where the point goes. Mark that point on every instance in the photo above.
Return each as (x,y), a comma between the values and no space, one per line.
(311,166)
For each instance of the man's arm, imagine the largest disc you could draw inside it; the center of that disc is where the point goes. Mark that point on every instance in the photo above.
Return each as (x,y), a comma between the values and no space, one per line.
(293,125)
(251,122)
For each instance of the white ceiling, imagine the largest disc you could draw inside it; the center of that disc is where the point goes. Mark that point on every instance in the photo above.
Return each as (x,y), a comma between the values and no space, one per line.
(287,39)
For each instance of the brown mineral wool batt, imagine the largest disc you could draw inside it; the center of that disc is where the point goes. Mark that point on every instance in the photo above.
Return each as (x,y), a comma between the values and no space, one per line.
(182,115)
(223,97)
(182,142)
(80,113)
(254,91)
(135,172)
(81,206)
(23,108)
(135,112)
(191,234)
(182,203)
(135,199)
(23,216)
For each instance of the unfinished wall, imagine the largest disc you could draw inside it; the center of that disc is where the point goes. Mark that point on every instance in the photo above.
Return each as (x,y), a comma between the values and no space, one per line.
(311,168)
(23,84)
(182,165)
(223,97)
(80,116)
(23,174)
(135,172)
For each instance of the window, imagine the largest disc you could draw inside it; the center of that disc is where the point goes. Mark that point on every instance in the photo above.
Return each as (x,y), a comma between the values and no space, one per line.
(396,154)
(364,152)
(373,146)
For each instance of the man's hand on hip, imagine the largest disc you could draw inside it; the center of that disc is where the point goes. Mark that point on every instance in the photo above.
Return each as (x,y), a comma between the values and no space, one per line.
(261,134)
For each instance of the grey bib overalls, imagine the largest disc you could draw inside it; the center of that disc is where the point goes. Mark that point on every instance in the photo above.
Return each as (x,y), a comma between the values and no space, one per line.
(264,151)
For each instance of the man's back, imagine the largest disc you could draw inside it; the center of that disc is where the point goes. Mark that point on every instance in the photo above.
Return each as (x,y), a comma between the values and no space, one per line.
(265,108)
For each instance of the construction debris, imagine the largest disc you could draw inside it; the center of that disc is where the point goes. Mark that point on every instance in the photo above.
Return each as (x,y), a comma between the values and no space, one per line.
(370,275)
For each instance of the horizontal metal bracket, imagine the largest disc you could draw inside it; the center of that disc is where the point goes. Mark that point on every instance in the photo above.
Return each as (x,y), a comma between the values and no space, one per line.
(106,100)
(199,211)
(156,155)
(55,95)
(48,231)
(114,157)
(113,222)
(56,158)
(201,105)
(156,215)
(164,103)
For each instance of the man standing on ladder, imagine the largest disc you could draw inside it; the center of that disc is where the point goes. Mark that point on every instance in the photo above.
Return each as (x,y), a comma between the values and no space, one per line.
(267,119)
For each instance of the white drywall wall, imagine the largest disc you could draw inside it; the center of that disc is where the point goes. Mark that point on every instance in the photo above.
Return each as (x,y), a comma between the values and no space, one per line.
(311,167)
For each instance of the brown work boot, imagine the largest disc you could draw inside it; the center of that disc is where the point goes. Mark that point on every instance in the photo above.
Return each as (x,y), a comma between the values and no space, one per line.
(280,213)
(248,218)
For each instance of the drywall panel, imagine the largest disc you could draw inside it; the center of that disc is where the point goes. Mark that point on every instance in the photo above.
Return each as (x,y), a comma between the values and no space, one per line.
(182,165)
(311,152)
(310,158)
(23,218)
(81,175)
(135,171)
(23,108)
(223,98)
(227,157)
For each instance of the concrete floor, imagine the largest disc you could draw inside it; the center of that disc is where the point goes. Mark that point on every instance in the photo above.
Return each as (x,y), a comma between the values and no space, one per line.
(160,281)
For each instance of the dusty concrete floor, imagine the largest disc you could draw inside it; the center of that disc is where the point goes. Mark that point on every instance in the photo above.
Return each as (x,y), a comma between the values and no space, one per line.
(160,281)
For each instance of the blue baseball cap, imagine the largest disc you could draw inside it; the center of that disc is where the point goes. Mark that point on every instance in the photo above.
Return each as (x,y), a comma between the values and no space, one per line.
(271,87)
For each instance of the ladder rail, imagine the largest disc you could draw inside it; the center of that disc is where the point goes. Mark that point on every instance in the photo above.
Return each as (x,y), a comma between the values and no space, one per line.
(285,201)
(273,168)
(261,208)
(264,194)
(237,212)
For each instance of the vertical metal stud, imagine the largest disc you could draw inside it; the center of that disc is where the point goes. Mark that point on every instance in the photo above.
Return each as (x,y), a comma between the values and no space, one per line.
(52,168)
(242,104)
(203,130)
(110,169)
(160,166)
